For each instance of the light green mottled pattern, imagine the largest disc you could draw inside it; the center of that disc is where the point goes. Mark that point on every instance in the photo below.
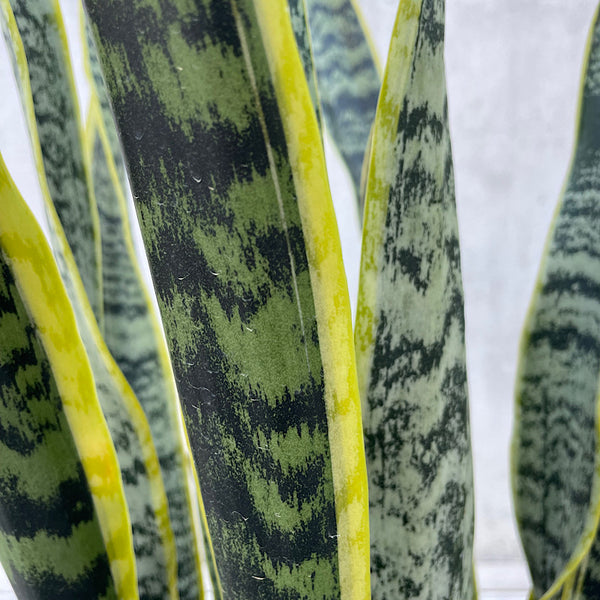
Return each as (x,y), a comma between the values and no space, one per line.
(99,89)
(133,339)
(208,164)
(51,545)
(151,559)
(59,132)
(555,446)
(413,373)
(348,81)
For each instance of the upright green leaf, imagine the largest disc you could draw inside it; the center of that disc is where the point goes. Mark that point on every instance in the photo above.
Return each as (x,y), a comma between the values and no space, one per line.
(64,524)
(98,89)
(132,334)
(410,340)
(348,79)
(56,120)
(555,457)
(247,268)
(143,486)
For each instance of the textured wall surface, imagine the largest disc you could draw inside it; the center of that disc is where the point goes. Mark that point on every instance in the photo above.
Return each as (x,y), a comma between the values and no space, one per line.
(513,72)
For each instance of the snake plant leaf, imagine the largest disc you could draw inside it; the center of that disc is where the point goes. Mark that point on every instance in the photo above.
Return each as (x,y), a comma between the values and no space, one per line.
(153,541)
(226,163)
(132,334)
(556,461)
(95,77)
(43,46)
(64,523)
(299,16)
(410,337)
(347,77)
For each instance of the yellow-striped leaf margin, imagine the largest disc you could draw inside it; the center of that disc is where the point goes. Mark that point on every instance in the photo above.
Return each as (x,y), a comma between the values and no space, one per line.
(300,26)
(555,451)
(43,46)
(410,330)
(153,539)
(251,336)
(347,78)
(55,447)
(331,300)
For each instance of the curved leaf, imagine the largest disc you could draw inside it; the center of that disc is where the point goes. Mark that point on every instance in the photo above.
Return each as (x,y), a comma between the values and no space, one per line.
(410,329)
(38,24)
(64,524)
(144,490)
(556,465)
(251,314)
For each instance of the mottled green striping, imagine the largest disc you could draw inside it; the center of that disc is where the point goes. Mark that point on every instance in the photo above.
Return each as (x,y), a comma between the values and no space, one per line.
(58,128)
(131,337)
(299,17)
(50,541)
(348,81)
(416,409)
(233,284)
(556,443)
(95,71)
(149,553)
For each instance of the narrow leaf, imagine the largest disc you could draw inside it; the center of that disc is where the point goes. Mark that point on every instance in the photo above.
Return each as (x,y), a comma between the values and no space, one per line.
(64,524)
(247,268)
(348,79)
(42,49)
(98,89)
(410,329)
(556,479)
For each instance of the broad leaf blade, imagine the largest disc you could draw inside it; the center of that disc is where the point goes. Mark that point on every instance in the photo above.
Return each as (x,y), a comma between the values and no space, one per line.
(56,122)
(348,79)
(64,521)
(217,198)
(410,329)
(556,464)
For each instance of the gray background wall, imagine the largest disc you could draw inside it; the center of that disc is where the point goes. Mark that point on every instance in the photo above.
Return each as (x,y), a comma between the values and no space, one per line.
(513,71)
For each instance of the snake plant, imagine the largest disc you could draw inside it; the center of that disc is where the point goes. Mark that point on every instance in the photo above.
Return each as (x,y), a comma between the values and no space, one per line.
(556,444)
(248,442)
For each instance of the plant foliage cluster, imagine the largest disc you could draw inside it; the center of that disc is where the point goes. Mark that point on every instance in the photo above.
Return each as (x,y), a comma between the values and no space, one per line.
(251,442)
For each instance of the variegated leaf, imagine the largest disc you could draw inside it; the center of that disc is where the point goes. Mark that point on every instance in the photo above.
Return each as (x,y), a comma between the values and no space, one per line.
(64,523)
(153,541)
(226,164)
(556,479)
(410,337)
(347,78)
